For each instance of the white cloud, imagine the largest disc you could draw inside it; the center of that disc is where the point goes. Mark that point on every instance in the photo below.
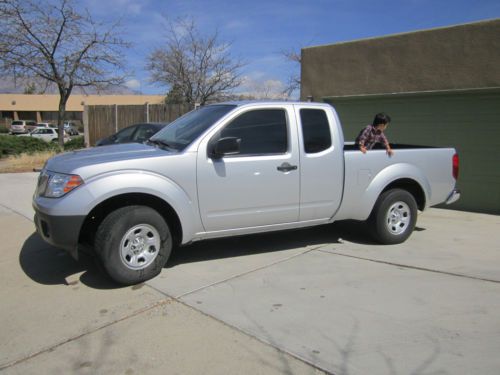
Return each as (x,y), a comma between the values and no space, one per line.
(133,84)
(262,88)
(134,7)
(236,25)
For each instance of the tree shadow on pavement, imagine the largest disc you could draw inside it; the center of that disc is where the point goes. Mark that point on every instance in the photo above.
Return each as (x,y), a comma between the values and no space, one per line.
(350,230)
(47,265)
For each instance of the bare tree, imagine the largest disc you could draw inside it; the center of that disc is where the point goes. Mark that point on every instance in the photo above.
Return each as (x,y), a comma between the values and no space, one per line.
(294,80)
(52,41)
(196,67)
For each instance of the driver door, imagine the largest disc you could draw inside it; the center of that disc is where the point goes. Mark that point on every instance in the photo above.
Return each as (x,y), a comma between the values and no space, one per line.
(251,188)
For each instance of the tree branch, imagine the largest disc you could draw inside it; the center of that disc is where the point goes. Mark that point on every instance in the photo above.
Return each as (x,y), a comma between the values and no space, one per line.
(56,44)
(201,68)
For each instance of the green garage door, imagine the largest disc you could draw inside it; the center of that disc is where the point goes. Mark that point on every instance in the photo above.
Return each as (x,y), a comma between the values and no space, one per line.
(468,121)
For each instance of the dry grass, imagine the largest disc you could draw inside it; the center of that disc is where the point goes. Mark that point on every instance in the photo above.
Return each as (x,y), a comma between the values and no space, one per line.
(25,162)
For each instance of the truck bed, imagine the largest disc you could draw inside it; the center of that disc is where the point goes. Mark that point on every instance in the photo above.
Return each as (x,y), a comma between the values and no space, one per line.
(366,174)
(350,146)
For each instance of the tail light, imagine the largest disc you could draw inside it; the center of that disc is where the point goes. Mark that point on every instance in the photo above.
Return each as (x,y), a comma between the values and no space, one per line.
(456,163)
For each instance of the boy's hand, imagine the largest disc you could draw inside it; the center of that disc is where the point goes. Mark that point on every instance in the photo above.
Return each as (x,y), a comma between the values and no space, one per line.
(389,151)
(363,149)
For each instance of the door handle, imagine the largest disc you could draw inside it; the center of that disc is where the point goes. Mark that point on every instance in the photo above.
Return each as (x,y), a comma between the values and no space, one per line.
(285,167)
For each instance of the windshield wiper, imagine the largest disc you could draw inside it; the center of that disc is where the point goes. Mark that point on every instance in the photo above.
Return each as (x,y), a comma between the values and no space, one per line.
(161,143)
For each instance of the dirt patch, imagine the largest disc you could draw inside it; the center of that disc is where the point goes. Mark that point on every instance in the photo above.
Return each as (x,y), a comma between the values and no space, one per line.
(24,162)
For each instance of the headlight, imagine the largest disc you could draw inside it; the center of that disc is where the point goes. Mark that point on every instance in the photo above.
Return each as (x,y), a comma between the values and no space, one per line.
(55,185)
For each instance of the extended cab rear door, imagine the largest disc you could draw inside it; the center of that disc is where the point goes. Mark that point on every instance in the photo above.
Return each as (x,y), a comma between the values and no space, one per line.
(259,185)
(322,161)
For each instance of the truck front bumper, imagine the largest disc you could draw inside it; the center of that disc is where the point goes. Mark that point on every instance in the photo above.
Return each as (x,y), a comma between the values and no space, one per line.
(60,231)
(453,197)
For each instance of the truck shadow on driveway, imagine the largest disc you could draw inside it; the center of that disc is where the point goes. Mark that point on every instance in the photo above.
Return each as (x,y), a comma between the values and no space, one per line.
(352,231)
(47,265)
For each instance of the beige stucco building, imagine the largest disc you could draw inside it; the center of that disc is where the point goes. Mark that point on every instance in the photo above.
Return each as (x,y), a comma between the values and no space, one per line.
(43,108)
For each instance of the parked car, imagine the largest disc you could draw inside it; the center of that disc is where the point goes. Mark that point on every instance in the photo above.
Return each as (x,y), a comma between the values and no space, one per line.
(22,126)
(71,130)
(137,133)
(233,169)
(67,124)
(45,125)
(46,134)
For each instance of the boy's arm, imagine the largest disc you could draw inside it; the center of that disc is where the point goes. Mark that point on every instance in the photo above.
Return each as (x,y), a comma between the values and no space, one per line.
(362,139)
(387,145)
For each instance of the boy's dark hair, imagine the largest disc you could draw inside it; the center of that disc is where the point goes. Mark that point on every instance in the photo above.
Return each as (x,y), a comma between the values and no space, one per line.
(381,118)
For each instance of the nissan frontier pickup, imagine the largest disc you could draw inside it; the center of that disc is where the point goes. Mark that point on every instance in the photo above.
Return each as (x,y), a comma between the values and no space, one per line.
(227,170)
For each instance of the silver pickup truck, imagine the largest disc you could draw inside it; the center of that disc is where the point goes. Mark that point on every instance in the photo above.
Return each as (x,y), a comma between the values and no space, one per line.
(232,169)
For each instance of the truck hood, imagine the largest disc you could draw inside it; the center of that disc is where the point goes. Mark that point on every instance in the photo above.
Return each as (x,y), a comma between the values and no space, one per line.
(102,157)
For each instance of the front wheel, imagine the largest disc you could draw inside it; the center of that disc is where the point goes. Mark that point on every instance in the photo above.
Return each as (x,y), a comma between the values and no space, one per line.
(393,217)
(133,243)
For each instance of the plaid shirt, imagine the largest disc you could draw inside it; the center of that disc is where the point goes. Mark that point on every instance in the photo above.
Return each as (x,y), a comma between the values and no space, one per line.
(369,136)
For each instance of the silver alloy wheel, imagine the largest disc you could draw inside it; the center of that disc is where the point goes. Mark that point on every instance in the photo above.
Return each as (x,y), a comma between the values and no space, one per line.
(398,217)
(139,246)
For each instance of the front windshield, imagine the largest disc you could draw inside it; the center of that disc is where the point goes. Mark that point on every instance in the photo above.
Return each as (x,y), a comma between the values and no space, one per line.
(181,132)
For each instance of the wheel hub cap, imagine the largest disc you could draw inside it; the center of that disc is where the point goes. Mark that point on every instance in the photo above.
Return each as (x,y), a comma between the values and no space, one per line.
(139,246)
(398,217)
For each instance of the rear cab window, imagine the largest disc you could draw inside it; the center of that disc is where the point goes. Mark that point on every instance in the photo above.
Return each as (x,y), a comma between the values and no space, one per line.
(315,130)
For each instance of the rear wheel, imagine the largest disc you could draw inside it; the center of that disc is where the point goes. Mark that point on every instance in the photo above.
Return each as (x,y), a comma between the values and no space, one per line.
(133,243)
(393,217)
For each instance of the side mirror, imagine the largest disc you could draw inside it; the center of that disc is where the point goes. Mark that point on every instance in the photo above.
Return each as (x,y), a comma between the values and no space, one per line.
(225,146)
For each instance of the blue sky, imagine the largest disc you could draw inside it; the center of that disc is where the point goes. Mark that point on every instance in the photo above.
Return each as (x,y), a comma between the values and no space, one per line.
(259,30)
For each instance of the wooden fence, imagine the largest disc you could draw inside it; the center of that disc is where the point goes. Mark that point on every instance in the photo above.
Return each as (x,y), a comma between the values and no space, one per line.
(101,121)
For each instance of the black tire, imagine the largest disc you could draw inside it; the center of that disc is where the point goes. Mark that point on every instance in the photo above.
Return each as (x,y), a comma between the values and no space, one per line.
(133,244)
(393,217)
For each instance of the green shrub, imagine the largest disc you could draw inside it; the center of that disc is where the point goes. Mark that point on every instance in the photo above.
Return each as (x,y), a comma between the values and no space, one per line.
(14,145)
(3,129)
(75,144)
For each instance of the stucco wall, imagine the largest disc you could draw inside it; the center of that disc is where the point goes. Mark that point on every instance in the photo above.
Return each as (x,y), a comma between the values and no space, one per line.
(458,57)
(20,102)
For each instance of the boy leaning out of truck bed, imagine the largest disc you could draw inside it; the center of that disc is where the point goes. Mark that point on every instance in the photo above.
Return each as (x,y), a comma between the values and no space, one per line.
(374,133)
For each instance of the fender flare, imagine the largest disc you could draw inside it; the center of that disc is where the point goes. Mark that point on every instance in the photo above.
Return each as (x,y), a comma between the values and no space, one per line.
(388,176)
(100,188)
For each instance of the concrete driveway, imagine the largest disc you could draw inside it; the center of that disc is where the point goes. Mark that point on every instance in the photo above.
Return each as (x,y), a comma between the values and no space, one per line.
(295,302)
